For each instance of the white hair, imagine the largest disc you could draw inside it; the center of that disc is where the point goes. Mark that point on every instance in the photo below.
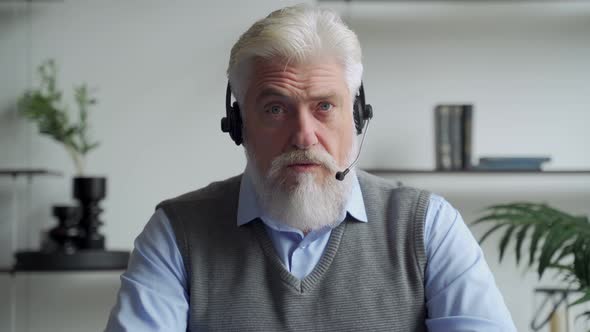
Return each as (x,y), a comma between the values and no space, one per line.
(296,34)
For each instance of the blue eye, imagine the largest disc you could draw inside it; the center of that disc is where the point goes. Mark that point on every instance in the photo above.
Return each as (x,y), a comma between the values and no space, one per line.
(275,109)
(325,106)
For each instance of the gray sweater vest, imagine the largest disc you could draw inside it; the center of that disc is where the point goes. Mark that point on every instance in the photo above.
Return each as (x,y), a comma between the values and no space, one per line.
(370,276)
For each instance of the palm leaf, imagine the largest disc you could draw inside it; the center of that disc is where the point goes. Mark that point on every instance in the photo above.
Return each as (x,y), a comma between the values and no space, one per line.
(582,261)
(520,240)
(538,233)
(584,298)
(565,251)
(554,240)
(505,239)
(557,240)
(584,314)
(492,230)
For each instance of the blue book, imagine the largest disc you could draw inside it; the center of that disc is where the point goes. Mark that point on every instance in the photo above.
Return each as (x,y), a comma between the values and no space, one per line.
(511,163)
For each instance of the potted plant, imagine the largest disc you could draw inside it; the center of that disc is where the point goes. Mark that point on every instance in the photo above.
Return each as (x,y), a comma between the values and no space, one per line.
(556,240)
(44,105)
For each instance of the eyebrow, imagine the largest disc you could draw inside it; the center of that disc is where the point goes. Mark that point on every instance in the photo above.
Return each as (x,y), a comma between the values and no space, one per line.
(272,92)
(324,96)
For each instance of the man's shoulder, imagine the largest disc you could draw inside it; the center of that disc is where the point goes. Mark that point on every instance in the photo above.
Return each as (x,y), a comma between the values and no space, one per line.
(218,190)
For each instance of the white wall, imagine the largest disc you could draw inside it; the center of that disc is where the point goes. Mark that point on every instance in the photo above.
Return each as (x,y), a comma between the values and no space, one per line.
(159,69)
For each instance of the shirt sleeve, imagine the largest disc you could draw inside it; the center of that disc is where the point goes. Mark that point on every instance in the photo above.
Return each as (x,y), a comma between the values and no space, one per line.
(153,294)
(461,293)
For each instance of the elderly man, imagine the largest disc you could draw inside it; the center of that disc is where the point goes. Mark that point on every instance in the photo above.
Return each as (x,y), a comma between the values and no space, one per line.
(295,243)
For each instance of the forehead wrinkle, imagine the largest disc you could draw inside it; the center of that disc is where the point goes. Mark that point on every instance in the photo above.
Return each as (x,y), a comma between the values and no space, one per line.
(298,80)
(306,81)
(278,87)
(301,72)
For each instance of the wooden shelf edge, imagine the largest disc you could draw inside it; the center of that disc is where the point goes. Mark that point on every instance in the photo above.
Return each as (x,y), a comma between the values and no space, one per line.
(385,171)
(16,172)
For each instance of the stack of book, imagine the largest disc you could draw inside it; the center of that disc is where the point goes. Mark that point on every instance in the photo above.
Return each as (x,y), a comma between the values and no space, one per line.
(453,132)
(511,163)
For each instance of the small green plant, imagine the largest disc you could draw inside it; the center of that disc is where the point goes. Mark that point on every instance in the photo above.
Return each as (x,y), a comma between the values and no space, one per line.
(45,107)
(556,240)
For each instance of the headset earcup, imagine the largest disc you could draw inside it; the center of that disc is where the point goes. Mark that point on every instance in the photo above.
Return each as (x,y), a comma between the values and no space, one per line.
(236,124)
(232,122)
(358,116)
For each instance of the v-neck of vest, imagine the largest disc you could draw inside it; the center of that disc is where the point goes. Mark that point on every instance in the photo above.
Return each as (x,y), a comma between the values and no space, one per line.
(308,283)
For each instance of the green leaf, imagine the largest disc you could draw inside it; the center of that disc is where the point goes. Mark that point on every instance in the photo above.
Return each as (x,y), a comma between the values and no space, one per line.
(553,241)
(511,205)
(582,261)
(565,251)
(584,314)
(519,241)
(505,239)
(558,240)
(538,233)
(583,299)
(43,106)
(91,147)
(492,230)
(562,267)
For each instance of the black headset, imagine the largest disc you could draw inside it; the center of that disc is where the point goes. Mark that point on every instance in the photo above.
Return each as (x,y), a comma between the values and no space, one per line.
(232,122)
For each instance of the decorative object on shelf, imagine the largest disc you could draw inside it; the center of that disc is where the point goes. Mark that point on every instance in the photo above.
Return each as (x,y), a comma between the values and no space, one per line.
(82,246)
(453,132)
(44,106)
(557,241)
(89,192)
(66,236)
(512,163)
(75,243)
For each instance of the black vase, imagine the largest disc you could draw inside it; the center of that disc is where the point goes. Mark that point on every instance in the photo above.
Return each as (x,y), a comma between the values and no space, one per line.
(67,234)
(89,191)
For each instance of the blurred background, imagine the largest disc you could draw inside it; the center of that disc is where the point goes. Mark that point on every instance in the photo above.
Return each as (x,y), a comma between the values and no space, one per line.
(157,70)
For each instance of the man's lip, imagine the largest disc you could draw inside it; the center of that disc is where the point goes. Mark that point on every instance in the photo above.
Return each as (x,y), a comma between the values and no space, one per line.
(303,164)
(303,167)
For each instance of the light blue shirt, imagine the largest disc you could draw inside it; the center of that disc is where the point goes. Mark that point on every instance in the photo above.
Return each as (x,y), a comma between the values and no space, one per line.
(461,294)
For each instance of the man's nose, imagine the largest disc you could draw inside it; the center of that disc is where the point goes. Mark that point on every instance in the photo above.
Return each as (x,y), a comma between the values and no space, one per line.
(304,128)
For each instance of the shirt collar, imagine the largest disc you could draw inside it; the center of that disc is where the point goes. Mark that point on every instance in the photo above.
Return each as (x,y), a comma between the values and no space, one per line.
(249,209)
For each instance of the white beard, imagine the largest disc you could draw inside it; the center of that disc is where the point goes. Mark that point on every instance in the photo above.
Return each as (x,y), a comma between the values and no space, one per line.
(305,201)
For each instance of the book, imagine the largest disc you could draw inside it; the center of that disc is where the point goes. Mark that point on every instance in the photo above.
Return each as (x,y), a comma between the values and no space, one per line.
(443,142)
(512,163)
(456,137)
(453,131)
(467,123)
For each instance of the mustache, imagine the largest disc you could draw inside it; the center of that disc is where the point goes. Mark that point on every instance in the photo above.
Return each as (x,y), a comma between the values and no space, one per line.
(312,156)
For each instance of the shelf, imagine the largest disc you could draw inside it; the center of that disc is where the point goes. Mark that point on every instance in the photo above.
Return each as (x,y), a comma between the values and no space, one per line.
(31,1)
(80,261)
(386,171)
(83,260)
(470,1)
(15,172)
